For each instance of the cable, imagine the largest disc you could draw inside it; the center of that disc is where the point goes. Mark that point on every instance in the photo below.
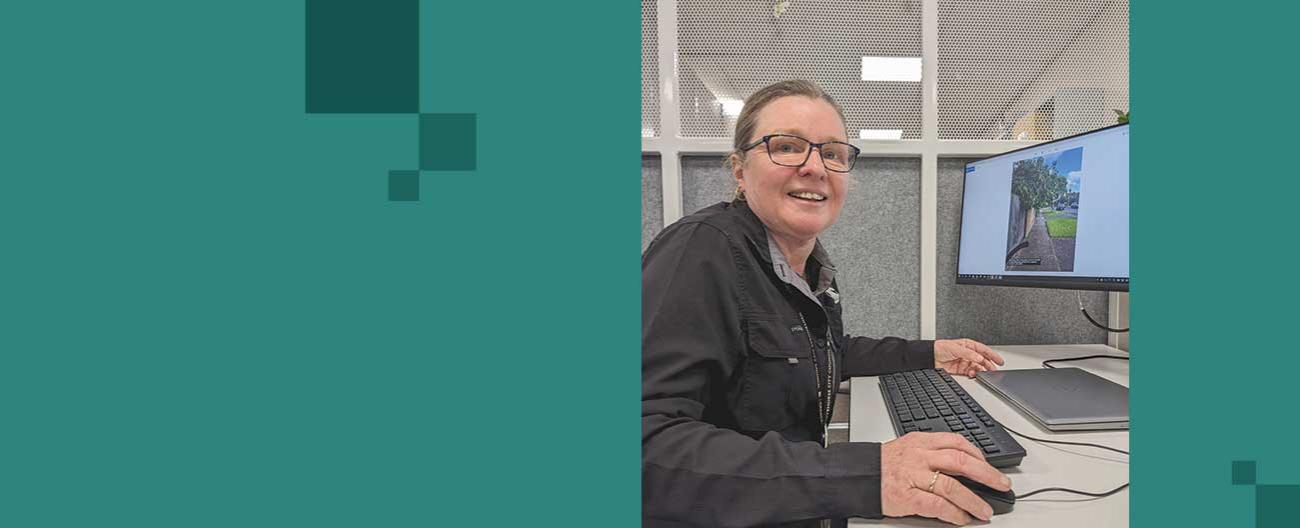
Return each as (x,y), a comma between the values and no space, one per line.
(1067,490)
(1085,444)
(1047,363)
(1077,492)
(1094,321)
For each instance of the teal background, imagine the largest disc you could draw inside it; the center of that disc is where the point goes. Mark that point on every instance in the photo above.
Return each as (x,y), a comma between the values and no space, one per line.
(1213,261)
(213,316)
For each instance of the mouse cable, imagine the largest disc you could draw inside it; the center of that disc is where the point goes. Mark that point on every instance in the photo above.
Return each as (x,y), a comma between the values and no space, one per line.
(1076,492)
(1085,444)
(1047,363)
(1094,321)
(1067,490)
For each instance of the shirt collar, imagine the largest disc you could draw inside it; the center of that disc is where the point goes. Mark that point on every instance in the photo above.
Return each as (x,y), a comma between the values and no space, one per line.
(825,275)
(758,235)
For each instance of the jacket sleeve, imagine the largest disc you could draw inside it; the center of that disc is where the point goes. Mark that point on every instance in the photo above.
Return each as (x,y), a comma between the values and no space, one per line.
(864,356)
(693,472)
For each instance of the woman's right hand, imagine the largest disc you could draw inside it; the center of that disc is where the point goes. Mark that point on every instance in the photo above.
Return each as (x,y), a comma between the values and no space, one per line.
(908,466)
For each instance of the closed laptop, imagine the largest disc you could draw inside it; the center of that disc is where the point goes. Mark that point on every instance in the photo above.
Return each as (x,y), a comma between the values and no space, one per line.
(1062,399)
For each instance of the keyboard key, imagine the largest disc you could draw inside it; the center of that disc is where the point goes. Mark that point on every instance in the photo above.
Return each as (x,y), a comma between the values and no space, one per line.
(991,449)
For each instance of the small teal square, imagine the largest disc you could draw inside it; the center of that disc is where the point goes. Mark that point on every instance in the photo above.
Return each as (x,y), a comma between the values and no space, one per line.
(448,142)
(1243,472)
(403,186)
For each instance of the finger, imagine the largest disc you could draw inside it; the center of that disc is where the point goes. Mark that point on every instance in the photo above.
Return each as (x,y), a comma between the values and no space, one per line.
(954,462)
(969,354)
(936,507)
(938,441)
(962,497)
(984,350)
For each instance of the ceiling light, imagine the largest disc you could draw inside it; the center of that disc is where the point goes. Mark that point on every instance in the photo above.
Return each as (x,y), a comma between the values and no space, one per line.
(880,134)
(902,69)
(731,107)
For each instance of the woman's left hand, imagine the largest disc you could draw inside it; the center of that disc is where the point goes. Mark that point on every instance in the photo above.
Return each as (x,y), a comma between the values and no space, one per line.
(966,357)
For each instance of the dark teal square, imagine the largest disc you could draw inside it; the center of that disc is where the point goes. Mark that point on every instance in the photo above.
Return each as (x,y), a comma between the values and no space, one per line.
(1275,505)
(448,142)
(1243,472)
(403,186)
(363,57)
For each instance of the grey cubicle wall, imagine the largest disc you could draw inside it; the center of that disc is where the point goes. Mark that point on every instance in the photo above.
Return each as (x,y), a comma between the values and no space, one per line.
(652,199)
(705,182)
(875,243)
(995,314)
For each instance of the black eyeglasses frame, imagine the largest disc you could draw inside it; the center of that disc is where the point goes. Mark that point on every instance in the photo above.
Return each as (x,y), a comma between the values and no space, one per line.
(807,155)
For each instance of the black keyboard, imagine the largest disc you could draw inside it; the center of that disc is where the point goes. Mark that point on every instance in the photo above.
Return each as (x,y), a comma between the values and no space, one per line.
(930,400)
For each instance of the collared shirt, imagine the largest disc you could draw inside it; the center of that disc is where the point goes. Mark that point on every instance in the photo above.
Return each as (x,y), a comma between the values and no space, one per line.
(825,274)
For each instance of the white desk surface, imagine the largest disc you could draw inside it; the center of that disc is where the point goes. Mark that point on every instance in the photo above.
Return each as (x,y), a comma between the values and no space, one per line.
(1045,465)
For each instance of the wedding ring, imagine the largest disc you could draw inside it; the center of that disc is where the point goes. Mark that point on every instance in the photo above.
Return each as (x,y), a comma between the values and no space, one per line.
(932,481)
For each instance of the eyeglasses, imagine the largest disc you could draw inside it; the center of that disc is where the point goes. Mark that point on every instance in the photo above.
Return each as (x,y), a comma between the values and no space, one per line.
(794,151)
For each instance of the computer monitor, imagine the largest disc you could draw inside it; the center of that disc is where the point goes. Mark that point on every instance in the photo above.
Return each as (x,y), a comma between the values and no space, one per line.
(1054,215)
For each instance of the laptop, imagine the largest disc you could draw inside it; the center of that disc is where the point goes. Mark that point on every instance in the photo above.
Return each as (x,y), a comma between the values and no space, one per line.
(1062,399)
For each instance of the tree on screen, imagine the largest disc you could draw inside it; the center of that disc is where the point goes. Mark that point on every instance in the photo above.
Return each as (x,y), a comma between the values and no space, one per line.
(1037,183)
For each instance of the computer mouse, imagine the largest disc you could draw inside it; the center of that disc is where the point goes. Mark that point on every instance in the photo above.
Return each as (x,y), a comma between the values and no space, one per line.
(1001,501)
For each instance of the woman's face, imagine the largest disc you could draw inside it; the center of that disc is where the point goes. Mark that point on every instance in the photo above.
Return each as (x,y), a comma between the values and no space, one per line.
(779,195)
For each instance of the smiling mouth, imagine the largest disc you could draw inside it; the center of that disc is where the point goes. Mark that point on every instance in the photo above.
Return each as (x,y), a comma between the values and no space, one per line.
(807,196)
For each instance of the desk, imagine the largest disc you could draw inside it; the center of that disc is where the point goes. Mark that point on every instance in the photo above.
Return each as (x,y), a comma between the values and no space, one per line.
(1045,465)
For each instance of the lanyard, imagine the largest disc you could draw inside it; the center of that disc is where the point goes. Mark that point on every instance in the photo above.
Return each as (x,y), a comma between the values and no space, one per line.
(824,403)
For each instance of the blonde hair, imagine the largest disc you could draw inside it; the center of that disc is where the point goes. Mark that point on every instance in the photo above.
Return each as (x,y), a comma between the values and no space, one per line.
(748,120)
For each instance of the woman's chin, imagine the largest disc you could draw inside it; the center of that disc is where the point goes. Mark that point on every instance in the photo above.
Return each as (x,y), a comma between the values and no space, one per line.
(808,227)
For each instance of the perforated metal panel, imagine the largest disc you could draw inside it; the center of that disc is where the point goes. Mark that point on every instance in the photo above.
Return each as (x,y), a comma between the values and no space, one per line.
(649,69)
(1011,69)
(727,49)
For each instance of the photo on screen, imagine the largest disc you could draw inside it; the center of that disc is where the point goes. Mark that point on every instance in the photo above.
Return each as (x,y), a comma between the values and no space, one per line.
(1044,212)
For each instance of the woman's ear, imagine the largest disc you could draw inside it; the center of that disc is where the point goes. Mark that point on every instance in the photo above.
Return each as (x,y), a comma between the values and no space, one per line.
(737,169)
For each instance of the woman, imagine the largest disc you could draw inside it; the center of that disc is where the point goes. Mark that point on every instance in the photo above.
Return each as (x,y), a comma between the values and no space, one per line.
(743,347)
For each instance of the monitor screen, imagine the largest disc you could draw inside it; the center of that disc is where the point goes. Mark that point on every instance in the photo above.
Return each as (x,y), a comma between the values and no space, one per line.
(1053,215)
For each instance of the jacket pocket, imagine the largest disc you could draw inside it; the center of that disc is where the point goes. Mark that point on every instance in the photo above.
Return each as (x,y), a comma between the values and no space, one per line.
(777,380)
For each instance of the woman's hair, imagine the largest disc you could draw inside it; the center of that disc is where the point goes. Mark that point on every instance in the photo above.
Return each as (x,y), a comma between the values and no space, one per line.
(748,119)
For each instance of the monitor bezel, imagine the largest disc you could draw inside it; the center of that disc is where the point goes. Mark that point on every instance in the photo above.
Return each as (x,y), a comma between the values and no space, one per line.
(1115,284)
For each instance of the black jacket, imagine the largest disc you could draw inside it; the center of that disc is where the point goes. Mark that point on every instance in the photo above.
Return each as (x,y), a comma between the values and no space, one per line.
(730,433)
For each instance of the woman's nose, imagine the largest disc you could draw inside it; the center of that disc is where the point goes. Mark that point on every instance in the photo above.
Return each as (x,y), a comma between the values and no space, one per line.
(813,166)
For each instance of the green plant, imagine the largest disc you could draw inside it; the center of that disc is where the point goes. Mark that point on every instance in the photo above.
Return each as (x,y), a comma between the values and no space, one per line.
(1121,117)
